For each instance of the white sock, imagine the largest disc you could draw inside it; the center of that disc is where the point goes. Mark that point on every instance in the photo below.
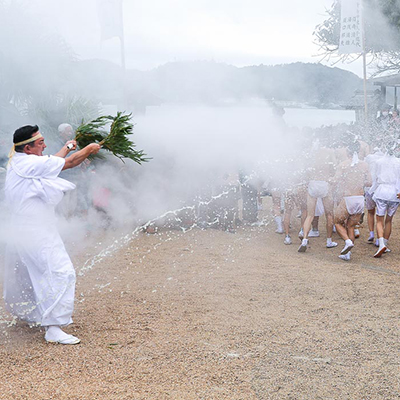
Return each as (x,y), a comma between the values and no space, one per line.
(54,333)
(304,242)
(329,241)
(348,242)
(371,233)
(385,241)
(381,242)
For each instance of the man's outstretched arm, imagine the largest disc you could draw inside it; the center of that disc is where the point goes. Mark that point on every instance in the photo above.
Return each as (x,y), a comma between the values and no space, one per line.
(81,155)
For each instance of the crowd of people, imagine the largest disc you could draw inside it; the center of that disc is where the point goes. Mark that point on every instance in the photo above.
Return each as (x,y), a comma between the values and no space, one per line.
(336,171)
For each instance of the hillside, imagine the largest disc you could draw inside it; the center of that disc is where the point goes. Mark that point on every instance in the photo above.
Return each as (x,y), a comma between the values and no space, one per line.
(213,83)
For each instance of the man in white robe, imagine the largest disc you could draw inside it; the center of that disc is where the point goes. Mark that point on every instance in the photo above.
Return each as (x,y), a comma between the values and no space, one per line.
(385,195)
(39,284)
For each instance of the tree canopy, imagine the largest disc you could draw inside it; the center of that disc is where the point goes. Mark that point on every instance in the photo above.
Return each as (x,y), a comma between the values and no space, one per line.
(382,33)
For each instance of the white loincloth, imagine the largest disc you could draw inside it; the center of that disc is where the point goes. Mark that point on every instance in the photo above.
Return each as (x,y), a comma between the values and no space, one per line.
(318,189)
(369,202)
(354,204)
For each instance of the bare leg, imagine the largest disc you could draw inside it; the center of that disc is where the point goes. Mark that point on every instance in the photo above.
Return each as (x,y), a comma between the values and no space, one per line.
(380,225)
(315,223)
(341,218)
(289,206)
(300,200)
(328,206)
(276,208)
(311,203)
(303,216)
(371,225)
(276,203)
(286,218)
(388,227)
(352,222)
(380,232)
(371,220)
(341,230)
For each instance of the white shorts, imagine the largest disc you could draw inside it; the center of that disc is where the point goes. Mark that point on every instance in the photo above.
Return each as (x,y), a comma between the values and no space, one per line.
(386,207)
(354,204)
(369,202)
(319,208)
(318,189)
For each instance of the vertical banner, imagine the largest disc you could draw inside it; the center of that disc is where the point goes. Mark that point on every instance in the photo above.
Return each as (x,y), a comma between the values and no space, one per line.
(351,27)
(110,17)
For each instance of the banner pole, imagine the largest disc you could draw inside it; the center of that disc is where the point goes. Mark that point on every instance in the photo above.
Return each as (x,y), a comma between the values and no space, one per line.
(123,64)
(364,54)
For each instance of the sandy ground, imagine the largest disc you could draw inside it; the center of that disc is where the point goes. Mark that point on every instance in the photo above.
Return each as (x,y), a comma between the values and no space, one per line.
(213,315)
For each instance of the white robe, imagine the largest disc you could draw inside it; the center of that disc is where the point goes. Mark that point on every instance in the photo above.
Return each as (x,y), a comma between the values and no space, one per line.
(39,281)
(387,179)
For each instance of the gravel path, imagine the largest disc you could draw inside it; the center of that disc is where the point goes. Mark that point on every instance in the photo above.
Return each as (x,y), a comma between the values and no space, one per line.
(214,315)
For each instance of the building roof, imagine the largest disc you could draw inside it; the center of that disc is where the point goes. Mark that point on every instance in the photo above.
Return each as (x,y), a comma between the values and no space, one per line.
(391,81)
(357,101)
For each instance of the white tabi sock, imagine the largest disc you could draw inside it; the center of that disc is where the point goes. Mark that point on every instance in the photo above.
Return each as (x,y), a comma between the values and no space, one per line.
(348,242)
(54,334)
(371,236)
(381,242)
(330,244)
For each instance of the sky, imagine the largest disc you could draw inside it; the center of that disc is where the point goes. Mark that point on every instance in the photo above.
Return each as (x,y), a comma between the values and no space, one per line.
(236,32)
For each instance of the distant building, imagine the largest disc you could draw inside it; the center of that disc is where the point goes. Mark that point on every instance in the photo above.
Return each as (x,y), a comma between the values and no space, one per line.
(357,103)
(388,88)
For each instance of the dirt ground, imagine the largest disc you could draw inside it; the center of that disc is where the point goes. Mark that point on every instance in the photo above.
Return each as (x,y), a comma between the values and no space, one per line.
(214,315)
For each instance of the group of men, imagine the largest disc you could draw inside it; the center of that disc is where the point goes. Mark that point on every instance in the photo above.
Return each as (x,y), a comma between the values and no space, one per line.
(342,181)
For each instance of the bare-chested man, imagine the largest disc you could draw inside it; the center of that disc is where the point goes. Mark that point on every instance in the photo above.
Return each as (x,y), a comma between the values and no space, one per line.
(320,172)
(348,138)
(295,195)
(351,177)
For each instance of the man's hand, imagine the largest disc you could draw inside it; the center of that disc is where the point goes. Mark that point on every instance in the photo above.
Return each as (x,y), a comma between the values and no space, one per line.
(94,148)
(71,145)
(77,158)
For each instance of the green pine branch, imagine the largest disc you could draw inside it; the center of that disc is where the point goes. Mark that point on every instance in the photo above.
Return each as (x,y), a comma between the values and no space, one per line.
(116,140)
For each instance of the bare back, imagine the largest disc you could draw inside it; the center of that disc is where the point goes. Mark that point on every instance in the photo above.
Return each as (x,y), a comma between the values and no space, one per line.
(322,166)
(351,180)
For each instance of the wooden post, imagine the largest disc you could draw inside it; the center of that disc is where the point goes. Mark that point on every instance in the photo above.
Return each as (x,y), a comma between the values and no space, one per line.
(364,73)
(365,89)
(123,65)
